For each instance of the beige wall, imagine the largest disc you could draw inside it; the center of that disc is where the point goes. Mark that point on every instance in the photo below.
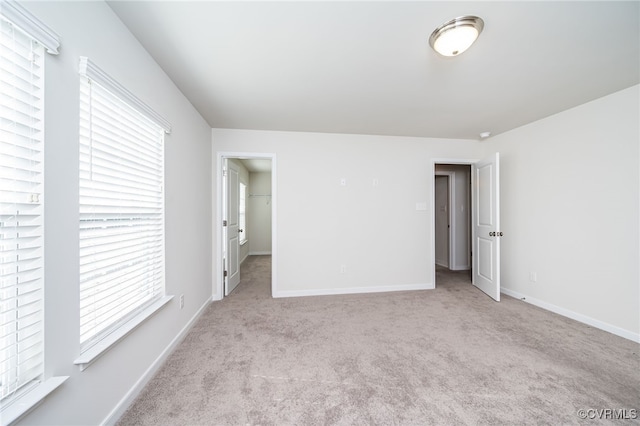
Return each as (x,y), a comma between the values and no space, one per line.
(372,233)
(570,211)
(259,220)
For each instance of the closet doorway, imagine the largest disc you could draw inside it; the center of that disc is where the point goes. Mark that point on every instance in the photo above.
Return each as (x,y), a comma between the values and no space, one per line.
(246,216)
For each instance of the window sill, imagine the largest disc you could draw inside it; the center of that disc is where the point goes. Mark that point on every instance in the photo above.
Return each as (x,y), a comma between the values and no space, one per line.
(89,356)
(30,399)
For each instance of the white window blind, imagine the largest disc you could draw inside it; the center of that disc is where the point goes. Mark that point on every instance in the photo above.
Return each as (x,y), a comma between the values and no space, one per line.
(121,209)
(21,211)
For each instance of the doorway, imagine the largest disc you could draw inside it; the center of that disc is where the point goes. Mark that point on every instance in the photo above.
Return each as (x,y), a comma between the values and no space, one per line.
(478,224)
(452,218)
(245,216)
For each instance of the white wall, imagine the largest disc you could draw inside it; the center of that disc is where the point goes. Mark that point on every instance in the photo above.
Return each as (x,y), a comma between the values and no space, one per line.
(259,212)
(570,211)
(374,231)
(91,29)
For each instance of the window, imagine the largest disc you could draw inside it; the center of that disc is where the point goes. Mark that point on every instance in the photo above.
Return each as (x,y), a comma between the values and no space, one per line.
(121,211)
(21,221)
(23,40)
(242,213)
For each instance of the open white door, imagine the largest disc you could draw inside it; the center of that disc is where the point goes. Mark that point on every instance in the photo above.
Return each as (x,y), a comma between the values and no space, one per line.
(486,226)
(231,218)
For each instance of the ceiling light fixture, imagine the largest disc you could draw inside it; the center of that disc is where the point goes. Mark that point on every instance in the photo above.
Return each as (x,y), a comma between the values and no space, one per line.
(456,36)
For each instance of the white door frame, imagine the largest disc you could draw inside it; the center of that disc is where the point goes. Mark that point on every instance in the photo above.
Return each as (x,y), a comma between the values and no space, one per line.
(218,279)
(434,161)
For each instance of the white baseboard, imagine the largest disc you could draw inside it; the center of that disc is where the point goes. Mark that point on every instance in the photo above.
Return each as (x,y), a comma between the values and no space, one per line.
(461,268)
(259,253)
(352,290)
(574,315)
(135,390)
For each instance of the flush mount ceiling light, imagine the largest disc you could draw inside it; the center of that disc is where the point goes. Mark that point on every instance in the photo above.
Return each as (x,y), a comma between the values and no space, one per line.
(456,36)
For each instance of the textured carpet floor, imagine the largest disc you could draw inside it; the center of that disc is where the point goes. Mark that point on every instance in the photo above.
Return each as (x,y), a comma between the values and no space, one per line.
(444,356)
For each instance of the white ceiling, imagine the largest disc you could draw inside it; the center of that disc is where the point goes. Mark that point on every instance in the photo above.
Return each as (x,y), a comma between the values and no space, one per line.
(367,68)
(257,165)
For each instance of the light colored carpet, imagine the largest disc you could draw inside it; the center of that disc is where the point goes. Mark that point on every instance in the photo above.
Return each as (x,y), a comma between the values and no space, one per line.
(444,356)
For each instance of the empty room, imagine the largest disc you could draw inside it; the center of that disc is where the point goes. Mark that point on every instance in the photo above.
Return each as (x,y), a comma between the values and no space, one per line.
(341,212)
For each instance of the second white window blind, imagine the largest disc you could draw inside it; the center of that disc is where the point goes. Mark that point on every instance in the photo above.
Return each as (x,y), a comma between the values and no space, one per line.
(121,212)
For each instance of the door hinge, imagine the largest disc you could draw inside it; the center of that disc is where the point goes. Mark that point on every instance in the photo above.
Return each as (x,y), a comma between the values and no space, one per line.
(224,172)
(224,274)
(224,223)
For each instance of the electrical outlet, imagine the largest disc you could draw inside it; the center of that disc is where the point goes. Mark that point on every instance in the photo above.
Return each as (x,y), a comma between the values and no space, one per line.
(181,301)
(533,277)
(343,269)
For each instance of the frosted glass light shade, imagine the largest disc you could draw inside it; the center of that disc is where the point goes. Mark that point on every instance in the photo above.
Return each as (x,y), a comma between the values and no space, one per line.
(456,36)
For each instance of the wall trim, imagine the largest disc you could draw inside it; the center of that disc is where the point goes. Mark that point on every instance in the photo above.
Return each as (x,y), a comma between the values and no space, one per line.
(34,27)
(466,267)
(353,290)
(635,337)
(135,390)
(259,253)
